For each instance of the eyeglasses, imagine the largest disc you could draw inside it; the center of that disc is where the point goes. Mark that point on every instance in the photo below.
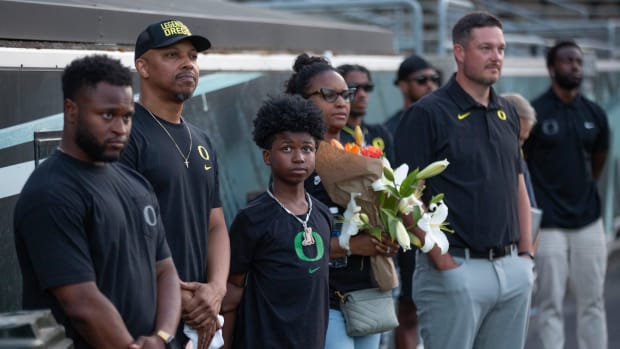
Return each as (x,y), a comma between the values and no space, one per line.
(331,96)
(423,79)
(366,87)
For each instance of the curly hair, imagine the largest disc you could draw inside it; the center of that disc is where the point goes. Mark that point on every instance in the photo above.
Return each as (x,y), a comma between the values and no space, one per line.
(305,68)
(286,113)
(87,72)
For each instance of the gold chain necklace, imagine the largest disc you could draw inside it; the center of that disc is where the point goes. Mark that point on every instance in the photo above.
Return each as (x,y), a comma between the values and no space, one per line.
(185,158)
(308,239)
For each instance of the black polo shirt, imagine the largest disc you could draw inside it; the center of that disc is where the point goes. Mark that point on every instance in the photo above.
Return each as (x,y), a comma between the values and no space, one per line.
(559,153)
(375,135)
(482,146)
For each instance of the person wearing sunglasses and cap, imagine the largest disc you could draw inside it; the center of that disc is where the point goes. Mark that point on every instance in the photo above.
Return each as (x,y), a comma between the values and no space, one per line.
(179,161)
(315,79)
(359,78)
(415,78)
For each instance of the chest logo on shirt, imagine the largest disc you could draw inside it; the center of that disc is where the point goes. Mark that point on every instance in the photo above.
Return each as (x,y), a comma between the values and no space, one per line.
(378,142)
(588,125)
(501,115)
(149,215)
(299,248)
(463,116)
(550,127)
(204,153)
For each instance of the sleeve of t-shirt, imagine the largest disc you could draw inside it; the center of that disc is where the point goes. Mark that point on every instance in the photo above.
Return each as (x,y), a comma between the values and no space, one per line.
(602,142)
(57,245)
(243,241)
(413,141)
(216,200)
(163,250)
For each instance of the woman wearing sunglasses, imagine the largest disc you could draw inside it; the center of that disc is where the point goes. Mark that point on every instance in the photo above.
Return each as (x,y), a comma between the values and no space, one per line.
(316,80)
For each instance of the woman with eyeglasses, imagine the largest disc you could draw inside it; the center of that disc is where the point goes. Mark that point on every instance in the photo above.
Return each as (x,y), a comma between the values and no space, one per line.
(315,79)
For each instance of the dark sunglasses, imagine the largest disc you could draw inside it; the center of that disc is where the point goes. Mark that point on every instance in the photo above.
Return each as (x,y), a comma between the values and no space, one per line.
(331,96)
(366,87)
(423,79)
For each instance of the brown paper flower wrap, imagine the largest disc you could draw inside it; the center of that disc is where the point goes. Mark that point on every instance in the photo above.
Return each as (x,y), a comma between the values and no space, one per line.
(343,173)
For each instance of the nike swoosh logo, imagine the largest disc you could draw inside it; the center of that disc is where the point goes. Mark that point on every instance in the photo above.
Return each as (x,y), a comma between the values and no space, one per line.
(313,270)
(463,116)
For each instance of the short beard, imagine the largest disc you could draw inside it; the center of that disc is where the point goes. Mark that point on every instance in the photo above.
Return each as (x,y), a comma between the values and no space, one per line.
(85,140)
(565,82)
(182,97)
(354,114)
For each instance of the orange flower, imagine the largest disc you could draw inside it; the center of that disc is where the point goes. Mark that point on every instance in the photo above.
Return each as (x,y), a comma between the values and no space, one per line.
(372,152)
(336,144)
(352,148)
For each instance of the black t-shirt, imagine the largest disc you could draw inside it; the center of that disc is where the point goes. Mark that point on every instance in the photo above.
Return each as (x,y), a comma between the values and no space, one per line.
(76,222)
(392,123)
(356,275)
(186,195)
(285,301)
(482,146)
(375,135)
(559,155)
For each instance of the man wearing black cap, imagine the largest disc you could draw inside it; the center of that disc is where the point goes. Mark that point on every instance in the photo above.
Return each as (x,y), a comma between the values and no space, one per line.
(415,79)
(179,161)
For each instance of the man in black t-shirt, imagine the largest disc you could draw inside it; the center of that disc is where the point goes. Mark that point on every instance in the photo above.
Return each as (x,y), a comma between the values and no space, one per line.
(566,153)
(479,291)
(179,161)
(359,78)
(88,233)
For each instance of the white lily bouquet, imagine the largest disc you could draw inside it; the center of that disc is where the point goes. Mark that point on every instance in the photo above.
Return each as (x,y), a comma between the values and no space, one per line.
(376,197)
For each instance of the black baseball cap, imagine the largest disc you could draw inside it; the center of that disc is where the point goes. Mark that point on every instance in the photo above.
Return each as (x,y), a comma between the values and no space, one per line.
(410,65)
(166,33)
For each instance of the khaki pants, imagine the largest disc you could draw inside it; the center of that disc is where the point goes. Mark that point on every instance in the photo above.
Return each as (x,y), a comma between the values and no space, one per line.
(575,257)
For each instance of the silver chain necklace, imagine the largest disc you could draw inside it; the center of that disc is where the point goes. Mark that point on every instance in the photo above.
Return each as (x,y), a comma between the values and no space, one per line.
(185,158)
(308,238)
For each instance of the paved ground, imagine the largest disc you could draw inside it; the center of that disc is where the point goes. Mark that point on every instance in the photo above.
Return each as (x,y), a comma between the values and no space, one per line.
(612,304)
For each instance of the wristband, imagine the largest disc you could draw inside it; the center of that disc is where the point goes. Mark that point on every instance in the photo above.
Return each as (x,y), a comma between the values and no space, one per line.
(526,253)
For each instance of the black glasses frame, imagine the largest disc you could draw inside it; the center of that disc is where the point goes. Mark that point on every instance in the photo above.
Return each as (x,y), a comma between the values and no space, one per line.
(331,95)
(423,79)
(366,87)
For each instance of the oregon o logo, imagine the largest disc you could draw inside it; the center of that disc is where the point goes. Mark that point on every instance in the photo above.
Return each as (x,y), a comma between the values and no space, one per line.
(379,143)
(501,114)
(299,249)
(204,153)
(149,215)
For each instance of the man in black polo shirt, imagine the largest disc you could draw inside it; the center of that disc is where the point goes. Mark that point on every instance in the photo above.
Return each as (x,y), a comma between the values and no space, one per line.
(566,153)
(477,294)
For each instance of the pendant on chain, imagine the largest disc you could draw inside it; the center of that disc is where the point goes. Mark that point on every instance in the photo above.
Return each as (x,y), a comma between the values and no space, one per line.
(308,238)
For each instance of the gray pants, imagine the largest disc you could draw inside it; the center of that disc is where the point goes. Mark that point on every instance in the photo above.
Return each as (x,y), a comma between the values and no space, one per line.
(577,256)
(480,304)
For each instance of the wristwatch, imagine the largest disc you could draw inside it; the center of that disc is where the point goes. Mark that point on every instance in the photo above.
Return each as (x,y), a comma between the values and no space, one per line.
(167,338)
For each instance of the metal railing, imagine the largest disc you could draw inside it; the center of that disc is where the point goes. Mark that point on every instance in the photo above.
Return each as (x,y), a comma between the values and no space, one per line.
(352,8)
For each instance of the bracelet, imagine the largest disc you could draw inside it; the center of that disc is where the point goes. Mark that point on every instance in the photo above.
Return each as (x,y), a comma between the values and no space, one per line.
(527,253)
